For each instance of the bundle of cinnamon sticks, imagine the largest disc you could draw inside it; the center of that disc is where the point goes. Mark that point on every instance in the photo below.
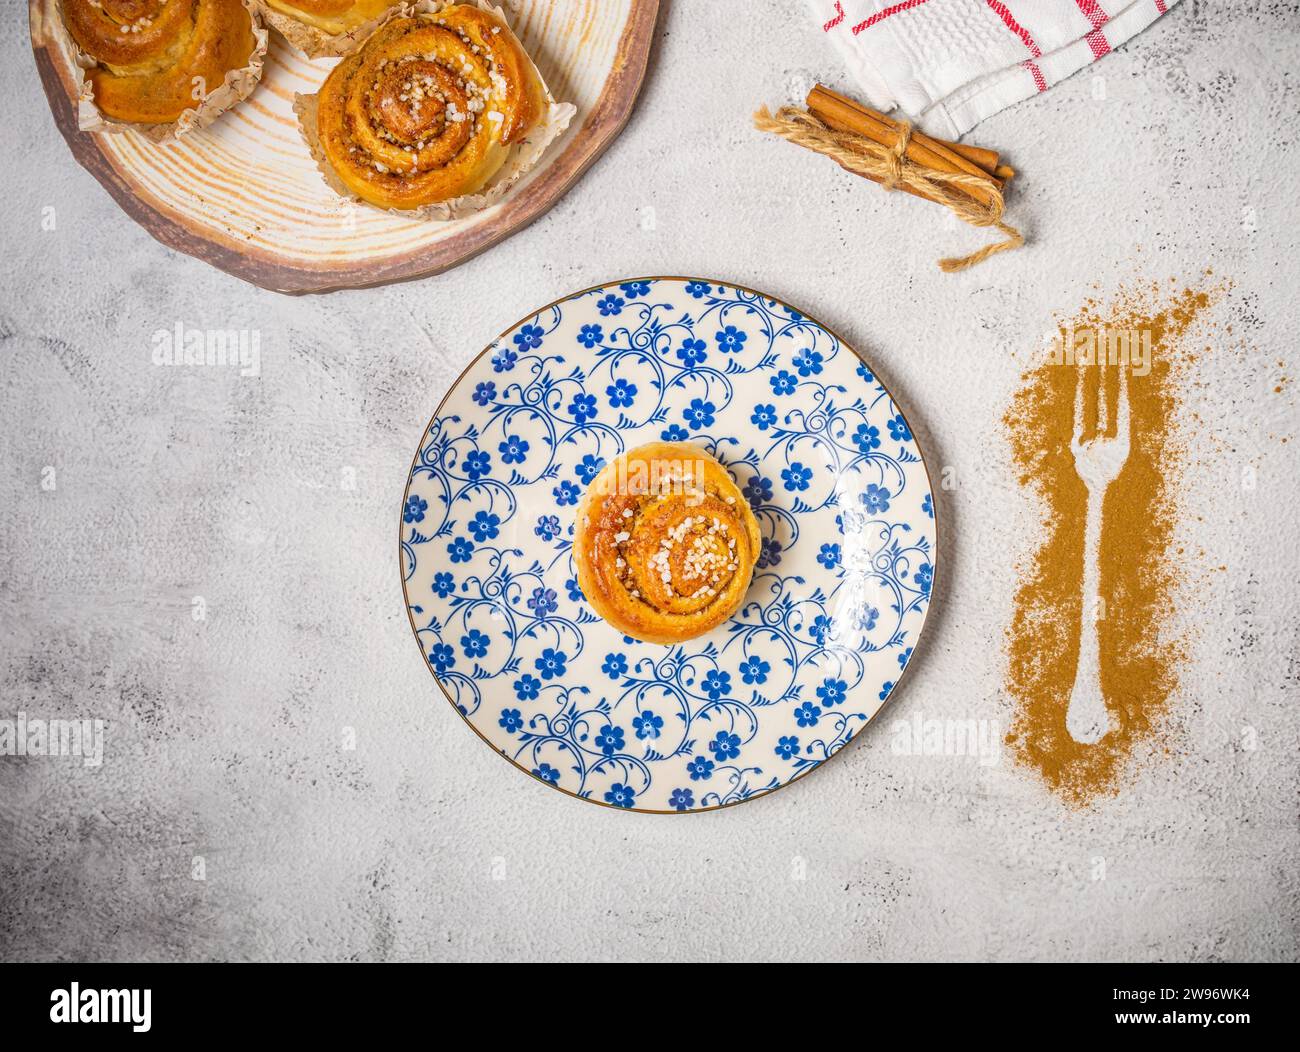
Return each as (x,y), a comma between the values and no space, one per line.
(967,180)
(844,114)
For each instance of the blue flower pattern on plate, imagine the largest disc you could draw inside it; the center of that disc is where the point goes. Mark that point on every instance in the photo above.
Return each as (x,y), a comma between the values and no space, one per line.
(818,448)
(415,509)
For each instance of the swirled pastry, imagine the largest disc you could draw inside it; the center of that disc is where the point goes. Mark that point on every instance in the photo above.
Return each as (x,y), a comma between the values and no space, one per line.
(322,27)
(428,108)
(665,544)
(151,61)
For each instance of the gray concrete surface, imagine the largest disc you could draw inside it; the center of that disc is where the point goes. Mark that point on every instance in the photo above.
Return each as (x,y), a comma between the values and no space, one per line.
(267,504)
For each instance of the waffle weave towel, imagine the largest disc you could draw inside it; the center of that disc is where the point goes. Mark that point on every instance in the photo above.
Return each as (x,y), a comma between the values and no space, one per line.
(951,63)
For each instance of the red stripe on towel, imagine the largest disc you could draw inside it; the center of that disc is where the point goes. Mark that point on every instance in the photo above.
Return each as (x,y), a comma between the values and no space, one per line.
(1096,39)
(1000,9)
(906,5)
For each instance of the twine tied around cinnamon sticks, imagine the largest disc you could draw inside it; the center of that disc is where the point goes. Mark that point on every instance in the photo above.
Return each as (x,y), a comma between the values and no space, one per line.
(965,179)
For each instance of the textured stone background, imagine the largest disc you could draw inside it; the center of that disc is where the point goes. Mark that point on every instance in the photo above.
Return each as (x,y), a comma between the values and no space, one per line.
(224,736)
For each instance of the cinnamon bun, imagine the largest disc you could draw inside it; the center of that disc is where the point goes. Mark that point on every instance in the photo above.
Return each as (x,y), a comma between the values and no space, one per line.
(427,109)
(665,544)
(161,62)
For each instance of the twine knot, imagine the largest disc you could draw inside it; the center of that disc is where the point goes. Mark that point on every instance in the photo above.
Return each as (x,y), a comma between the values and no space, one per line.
(895,157)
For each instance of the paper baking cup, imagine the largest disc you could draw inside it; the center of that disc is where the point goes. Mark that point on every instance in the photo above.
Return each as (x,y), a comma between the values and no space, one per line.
(236,86)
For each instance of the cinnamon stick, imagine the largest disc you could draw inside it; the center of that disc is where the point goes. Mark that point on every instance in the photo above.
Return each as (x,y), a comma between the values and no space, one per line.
(879,161)
(830,106)
(843,114)
(978,155)
(905,189)
(833,101)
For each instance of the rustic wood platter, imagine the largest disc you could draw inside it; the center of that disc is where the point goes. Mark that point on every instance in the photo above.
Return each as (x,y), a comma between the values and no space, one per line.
(245,196)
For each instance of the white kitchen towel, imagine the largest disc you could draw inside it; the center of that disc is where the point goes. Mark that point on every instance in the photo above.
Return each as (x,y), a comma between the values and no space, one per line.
(951,63)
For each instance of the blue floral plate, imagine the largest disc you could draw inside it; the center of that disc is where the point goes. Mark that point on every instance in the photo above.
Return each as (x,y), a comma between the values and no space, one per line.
(840,592)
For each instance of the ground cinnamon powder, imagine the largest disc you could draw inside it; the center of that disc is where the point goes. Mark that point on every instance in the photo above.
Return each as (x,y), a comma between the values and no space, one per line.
(1140,566)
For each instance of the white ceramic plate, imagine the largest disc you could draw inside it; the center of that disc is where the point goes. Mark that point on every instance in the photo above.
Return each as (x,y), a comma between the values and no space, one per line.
(838,600)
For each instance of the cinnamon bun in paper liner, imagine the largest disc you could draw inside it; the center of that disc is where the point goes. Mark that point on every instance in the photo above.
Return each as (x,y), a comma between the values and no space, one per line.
(320,28)
(163,68)
(437,113)
(665,544)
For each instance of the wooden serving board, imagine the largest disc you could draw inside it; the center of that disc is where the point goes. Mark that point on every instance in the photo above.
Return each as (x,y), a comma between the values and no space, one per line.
(245,196)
